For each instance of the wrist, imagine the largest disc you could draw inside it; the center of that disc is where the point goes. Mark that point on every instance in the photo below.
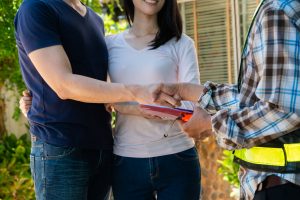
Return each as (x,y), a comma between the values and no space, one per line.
(132,91)
(190,92)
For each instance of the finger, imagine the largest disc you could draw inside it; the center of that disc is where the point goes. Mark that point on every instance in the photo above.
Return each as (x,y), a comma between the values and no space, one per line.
(27,98)
(170,89)
(28,104)
(157,91)
(151,117)
(166,99)
(177,97)
(26,110)
(26,93)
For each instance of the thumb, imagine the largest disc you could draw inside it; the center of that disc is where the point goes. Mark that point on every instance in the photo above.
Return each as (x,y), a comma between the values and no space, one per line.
(26,93)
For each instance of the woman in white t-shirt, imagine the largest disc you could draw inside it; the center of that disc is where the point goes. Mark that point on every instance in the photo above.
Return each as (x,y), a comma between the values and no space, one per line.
(153,157)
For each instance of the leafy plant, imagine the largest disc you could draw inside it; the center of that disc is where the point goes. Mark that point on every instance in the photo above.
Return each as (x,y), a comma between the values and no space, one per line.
(229,169)
(15,176)
(9,67)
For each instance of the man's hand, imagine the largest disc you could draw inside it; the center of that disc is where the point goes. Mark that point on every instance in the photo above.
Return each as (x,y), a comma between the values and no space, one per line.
(199,126)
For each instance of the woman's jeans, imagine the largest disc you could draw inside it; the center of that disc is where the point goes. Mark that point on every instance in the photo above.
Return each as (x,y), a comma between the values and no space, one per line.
(68,173)
(170,177)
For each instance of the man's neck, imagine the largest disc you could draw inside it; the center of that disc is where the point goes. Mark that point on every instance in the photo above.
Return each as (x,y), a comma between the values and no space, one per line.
(77,5)
(72,2)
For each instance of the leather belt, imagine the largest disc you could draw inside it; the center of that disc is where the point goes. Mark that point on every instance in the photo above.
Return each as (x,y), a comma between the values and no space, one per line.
(271,181)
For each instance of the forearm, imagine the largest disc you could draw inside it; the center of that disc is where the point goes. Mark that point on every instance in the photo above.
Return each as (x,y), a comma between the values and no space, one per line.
(85,89)
(190,92)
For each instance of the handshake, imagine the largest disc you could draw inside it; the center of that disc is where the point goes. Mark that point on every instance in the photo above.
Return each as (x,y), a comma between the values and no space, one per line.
(166,94)
(199,126)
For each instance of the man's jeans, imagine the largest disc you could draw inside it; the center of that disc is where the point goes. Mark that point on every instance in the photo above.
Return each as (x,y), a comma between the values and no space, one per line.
(68,173)
(171,177)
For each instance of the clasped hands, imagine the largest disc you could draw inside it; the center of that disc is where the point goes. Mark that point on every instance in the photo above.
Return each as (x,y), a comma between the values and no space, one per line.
(199,126)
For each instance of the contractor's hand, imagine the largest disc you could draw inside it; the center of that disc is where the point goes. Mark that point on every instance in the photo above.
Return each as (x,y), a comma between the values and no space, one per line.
(25,102)
(199,126)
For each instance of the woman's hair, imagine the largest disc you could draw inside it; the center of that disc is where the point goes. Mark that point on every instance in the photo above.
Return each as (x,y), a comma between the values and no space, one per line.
(168,19)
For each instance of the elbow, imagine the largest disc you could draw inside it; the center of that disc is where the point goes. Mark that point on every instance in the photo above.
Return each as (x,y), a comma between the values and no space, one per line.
(62,91)
(62,94)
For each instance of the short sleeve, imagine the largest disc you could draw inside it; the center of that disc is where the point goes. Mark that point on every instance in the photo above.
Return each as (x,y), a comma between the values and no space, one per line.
(188,68)
(36,26)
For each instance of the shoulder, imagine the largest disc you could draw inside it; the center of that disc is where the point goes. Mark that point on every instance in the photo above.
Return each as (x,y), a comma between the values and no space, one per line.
(289,8)
(33,6)
(183,41)
(111,39)
(35,10)
(186,40)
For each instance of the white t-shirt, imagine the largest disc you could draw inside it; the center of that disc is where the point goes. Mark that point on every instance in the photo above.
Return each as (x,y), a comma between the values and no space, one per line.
(175,61)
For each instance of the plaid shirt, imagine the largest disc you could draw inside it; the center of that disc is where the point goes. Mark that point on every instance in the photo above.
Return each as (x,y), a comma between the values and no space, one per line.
(268,103)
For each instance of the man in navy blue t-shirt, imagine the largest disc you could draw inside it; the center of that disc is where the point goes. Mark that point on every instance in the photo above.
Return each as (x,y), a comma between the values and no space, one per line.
(64,61)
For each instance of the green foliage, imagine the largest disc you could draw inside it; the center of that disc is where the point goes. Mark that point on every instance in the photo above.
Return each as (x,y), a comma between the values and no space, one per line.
(229,169)
(15,177)
(111,27)
(9,68)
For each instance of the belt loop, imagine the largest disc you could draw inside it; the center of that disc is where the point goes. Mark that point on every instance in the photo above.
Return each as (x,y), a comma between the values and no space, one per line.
(33,138)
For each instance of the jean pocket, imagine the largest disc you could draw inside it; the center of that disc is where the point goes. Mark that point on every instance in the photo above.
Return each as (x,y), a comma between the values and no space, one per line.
(187,155)
(117,161)
(55,152)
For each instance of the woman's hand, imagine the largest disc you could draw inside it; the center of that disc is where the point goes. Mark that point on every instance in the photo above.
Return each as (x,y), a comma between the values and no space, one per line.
(132,108)
(25,102)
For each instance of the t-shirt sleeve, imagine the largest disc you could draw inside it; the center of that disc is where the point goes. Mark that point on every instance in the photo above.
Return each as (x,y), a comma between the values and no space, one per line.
(188,69)
(36,26)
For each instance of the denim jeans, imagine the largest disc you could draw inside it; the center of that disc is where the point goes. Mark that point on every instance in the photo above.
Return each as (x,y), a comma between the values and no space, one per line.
(170,177)
(68,173)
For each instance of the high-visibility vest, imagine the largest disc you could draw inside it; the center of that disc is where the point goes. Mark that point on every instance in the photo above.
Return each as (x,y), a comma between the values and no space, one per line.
(281,155)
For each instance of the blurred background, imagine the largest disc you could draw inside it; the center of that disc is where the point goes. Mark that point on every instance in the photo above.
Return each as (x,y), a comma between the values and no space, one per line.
(218,27)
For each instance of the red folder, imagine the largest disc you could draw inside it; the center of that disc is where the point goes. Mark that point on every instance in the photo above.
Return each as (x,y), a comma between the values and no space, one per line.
(167,113)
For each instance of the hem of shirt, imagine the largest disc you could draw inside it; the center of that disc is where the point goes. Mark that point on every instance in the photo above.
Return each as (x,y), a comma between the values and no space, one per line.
(143,155)
(85,146)
(44,45)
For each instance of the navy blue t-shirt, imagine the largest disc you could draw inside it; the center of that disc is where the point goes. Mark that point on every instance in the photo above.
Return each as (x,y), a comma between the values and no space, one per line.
(45,23)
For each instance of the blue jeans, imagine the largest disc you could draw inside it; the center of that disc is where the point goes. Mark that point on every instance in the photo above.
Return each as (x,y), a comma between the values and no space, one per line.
(171,177)
(68,173)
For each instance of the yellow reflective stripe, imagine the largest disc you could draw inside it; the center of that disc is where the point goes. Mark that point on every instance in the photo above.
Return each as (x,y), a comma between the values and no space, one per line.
(262,156)
(292,152)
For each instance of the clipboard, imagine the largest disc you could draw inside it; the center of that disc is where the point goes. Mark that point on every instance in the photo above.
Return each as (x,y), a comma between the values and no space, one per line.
(167,113)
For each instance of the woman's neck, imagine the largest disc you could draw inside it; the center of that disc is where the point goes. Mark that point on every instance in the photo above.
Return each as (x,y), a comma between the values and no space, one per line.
(144,24)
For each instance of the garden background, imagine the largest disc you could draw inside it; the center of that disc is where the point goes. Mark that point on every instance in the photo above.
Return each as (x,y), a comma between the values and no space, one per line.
(218,28)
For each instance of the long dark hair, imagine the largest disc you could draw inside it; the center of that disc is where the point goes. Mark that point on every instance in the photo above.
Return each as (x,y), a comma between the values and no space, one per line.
(168,19)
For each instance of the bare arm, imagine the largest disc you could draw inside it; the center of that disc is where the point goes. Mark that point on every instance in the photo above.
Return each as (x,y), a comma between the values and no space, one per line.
(54,66)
